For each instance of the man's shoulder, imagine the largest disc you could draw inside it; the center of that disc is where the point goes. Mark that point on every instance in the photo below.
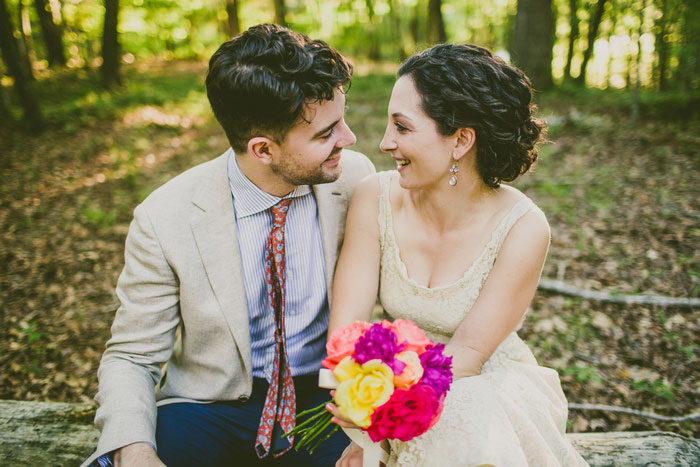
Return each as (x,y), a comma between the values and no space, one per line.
(182,187)
(356,166)
(354,161)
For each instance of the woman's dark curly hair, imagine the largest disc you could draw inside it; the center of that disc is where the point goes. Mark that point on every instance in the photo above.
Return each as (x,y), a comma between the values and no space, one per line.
(260,82)
(465,86)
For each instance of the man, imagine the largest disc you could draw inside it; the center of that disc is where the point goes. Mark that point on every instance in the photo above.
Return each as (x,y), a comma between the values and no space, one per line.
(237,254)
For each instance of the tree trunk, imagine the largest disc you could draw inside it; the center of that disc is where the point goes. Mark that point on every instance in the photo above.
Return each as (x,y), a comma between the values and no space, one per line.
(613,24)
(25,39)
(371,33)
(533,41)
(280,13)
(398,31)
(10,52)
(436,25)
(661,45)
(234,24)
(4,99)
(110,45)
(593,26)
(573,35)
(51,33)
(689,59)
(634,111)
(414,25)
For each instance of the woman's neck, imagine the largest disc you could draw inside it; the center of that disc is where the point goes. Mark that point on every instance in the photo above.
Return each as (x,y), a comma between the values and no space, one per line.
(449,207)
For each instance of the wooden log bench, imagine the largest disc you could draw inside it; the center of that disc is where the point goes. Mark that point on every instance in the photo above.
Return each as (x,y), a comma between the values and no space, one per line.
(62,434)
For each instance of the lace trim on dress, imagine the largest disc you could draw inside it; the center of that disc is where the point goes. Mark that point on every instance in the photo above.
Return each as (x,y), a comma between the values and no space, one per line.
(487,255)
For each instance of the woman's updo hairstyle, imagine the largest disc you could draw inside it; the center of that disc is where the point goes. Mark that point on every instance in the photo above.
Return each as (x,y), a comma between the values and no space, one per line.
(465,86)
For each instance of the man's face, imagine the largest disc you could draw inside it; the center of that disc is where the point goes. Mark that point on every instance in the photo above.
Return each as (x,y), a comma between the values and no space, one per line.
(310,154)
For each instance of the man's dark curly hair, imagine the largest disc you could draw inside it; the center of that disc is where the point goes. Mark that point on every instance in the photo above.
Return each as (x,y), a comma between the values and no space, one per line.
(260,82)
(465,86)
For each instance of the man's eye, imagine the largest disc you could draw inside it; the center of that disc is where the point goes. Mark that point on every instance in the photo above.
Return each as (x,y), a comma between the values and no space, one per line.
(329,134)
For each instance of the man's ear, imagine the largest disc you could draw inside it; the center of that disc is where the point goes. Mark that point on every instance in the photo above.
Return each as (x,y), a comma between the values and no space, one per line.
(262,148)
(466,139)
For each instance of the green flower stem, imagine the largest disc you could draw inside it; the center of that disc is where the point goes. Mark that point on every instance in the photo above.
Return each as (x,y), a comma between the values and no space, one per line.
(314,409)
(301,426)
(315,430)
(320,441)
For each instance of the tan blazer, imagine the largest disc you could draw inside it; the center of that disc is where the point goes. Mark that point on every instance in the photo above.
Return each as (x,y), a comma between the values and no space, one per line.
(183,269)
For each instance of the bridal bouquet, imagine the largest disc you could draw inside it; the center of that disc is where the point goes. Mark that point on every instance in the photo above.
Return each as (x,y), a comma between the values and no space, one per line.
(392,382)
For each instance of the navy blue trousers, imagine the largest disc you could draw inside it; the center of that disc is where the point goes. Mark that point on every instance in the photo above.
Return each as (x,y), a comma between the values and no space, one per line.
(223,433)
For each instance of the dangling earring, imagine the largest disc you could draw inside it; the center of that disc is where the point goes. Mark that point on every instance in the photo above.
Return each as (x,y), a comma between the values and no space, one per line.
(453,171)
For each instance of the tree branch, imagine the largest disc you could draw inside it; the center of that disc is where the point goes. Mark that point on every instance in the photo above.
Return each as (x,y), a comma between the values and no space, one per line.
(612,408)
(648,299)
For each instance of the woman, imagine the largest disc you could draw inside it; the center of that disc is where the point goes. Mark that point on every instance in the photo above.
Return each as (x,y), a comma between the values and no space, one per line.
(450,248)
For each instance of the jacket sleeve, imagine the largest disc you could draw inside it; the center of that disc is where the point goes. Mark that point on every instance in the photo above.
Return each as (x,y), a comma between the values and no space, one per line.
(142,340)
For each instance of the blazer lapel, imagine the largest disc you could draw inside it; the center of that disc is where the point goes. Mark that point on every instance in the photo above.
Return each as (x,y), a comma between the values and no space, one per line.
(332,207)
(217,241)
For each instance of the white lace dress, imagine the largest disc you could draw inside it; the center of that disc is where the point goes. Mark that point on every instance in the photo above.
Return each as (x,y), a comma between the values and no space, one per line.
(514,412)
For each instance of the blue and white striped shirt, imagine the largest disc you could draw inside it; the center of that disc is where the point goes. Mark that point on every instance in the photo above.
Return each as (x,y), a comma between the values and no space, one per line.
(306,311)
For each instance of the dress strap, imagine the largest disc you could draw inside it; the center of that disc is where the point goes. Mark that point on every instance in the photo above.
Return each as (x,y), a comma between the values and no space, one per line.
(518,210)
(384,206)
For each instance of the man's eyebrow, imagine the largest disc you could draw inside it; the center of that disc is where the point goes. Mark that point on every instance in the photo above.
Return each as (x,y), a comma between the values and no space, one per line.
(326,129)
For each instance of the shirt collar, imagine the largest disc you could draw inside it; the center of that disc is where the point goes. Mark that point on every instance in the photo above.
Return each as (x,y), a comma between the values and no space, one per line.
(248,198)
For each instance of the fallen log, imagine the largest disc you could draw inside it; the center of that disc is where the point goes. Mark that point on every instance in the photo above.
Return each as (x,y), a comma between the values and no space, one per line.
(648,448)
(563,288)
(46,433)
(62,434)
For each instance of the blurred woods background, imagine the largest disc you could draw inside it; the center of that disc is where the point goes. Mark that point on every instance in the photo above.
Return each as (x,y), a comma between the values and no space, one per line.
(101,102)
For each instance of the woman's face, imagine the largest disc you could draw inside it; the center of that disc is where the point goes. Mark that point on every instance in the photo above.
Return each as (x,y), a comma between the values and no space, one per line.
(423,156)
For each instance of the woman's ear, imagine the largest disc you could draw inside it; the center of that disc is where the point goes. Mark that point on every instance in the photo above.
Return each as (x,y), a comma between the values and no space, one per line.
(466,139)
(261,148)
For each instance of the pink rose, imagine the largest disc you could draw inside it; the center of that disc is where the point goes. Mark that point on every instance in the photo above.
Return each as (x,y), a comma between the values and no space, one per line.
(407,414)
(438,412)
(341,343)
(408,332)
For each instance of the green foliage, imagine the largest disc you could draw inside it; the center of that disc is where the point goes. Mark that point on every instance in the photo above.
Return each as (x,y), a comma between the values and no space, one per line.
(97,217)
(29,331)
(583,373)
(656,387)
(73,99)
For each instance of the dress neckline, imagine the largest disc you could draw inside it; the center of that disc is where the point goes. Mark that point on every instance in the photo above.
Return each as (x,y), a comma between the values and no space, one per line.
(403,270)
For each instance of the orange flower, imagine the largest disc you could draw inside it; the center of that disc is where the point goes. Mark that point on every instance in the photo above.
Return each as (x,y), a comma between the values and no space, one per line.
(413,371)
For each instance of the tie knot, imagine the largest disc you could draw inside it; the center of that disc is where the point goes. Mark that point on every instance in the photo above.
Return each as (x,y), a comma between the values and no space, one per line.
(279,212)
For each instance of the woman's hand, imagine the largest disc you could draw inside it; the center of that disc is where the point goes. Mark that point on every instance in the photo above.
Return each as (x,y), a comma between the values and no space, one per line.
(339,419)
(352,457)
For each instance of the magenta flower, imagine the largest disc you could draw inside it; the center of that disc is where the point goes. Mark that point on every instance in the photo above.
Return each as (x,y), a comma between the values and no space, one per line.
(379,343)
(437,369)
(407,414)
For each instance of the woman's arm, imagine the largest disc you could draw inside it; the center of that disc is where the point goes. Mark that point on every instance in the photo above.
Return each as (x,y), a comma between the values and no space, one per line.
(356,279)
(505,296)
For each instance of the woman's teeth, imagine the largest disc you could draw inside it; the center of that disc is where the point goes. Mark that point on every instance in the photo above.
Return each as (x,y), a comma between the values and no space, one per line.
(402,162)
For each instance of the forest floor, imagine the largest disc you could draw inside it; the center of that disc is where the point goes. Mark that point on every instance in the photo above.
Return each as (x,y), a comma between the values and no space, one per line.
(623,202)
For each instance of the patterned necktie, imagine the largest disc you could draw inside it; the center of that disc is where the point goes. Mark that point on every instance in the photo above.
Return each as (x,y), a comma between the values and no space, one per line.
(280,403)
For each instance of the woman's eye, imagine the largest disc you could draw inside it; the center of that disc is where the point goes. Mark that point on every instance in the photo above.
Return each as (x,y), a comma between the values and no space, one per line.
(400,128)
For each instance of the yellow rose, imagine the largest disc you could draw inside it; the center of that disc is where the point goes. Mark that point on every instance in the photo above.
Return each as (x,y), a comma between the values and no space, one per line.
(357,396)
(346,369)
(413,371)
